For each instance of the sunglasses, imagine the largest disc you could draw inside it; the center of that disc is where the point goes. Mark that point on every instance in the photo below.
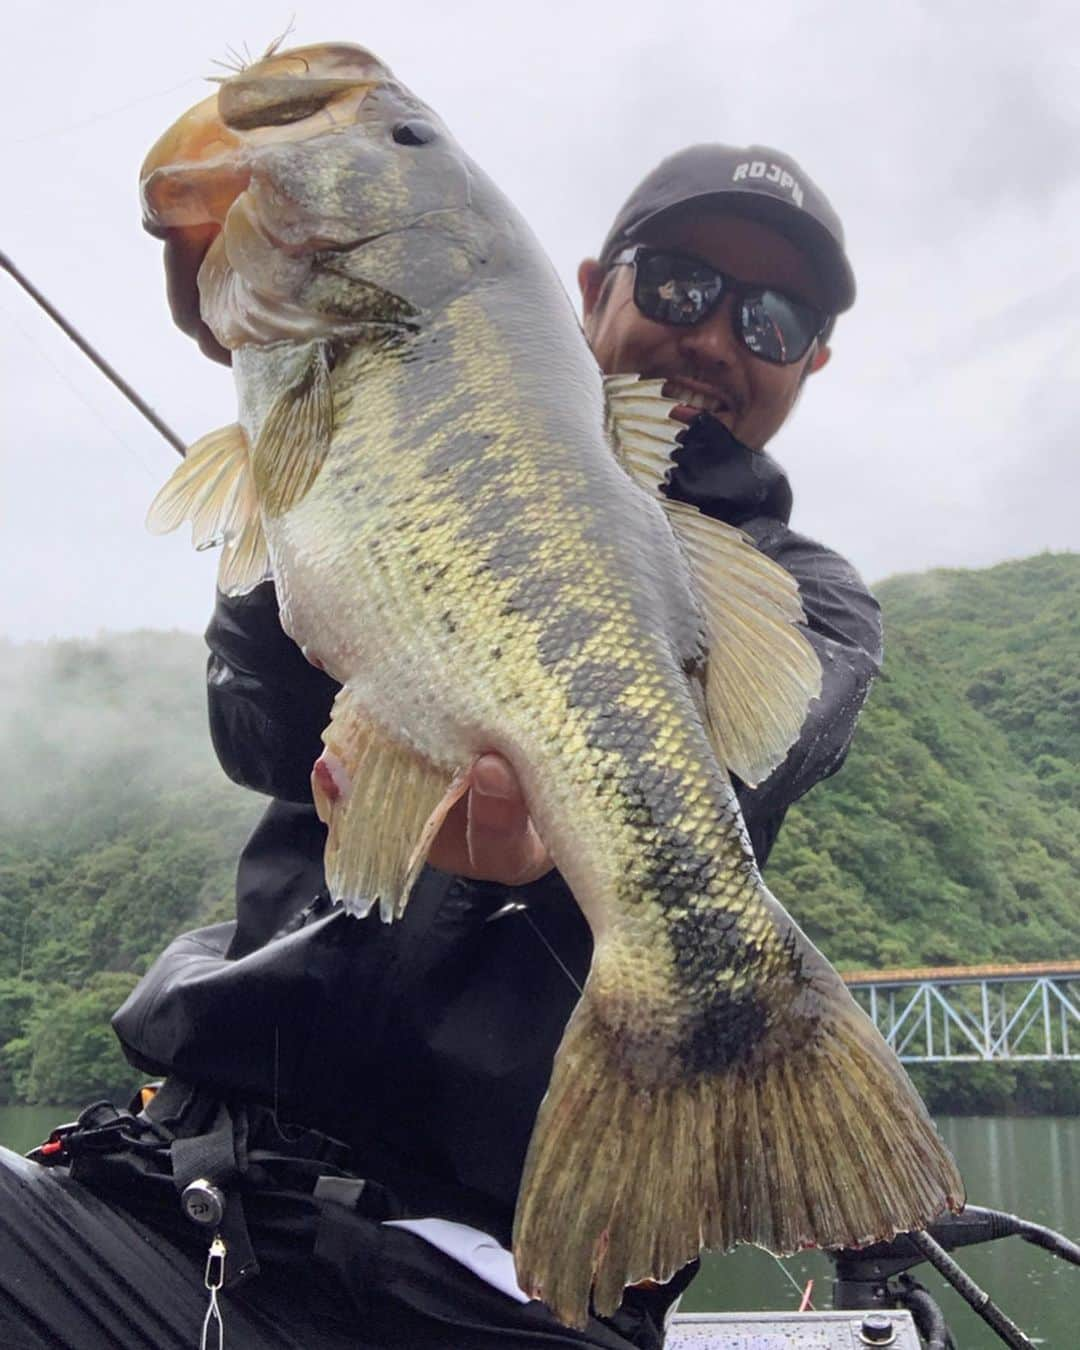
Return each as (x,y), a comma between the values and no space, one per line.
(680,290)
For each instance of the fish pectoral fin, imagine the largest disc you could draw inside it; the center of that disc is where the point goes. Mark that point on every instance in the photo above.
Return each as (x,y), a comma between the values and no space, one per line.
(383,804)
(761,672)
(295,436)
(811,1135)
(215,490)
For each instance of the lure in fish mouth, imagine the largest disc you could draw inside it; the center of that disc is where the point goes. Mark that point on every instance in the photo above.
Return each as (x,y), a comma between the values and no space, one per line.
(196,170)
(466,528)
(236,188)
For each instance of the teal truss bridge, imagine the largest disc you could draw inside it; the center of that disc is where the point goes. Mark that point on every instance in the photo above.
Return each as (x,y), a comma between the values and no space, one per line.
(992,1012)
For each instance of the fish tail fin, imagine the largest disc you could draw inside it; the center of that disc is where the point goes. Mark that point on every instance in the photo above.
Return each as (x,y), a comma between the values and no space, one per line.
(629,1176)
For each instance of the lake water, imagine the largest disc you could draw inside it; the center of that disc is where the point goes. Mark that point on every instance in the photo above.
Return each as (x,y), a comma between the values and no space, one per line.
(1029,1167)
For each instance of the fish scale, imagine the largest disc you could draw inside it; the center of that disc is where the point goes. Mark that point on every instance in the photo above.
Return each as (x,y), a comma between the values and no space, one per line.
(466,527)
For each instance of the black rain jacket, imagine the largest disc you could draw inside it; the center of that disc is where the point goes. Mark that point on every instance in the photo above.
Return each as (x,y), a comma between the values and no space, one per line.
(426,1045)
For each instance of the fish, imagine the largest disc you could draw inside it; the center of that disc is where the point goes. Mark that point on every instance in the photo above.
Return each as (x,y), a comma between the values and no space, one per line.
(466,527)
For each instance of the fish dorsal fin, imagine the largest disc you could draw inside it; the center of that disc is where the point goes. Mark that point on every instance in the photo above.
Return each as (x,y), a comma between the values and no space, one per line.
(295,436)
(761,672)
(642,430)
(214,489)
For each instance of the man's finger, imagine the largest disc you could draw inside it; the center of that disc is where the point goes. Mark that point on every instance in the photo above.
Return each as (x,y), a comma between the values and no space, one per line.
(502,842)
(487,834)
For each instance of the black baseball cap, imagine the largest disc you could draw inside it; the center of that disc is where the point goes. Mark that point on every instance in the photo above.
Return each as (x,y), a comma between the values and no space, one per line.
(754,181)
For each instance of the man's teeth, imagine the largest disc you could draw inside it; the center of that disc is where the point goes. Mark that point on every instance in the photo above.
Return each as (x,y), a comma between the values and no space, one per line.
(691,398)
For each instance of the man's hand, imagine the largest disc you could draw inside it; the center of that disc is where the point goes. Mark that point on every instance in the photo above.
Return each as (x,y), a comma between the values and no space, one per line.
(488,835)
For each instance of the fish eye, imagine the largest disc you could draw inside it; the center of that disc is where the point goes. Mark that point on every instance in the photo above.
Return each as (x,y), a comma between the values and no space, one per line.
(413,133)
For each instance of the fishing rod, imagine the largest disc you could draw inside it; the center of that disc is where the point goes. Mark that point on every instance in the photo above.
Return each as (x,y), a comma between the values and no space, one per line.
(88,350)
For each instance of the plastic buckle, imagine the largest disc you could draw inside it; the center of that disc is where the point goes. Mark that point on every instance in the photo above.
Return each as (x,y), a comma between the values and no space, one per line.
(96,1130)
(54,1150)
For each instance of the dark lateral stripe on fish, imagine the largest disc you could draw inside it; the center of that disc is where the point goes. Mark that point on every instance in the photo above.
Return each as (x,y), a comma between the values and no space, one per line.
(567,632)
(704,939)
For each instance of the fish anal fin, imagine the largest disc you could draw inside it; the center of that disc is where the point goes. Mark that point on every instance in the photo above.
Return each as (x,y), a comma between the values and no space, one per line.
(455,790)
(628,1177)
(213,488)
(761,672)
(382,803)
(294,439)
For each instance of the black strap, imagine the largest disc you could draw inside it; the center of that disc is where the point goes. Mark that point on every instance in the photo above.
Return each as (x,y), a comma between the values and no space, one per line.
(217,1153)
(211,1155)
(171,1103)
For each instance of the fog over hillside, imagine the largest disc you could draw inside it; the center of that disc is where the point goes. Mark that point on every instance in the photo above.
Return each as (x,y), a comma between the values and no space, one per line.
(90,729)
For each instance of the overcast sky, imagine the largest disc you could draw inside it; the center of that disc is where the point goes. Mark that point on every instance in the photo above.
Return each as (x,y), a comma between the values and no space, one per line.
(943,433)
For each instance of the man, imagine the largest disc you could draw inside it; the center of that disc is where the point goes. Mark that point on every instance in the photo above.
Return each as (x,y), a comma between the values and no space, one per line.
(337,1078)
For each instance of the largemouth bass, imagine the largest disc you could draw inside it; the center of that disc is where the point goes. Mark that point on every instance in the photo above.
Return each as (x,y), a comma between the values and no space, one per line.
(466,529)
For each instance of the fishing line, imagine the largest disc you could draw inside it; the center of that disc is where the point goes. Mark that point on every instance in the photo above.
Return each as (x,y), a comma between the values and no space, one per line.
(153,474)
(554,954)
(277,1069)
(100,116)
(790,1278)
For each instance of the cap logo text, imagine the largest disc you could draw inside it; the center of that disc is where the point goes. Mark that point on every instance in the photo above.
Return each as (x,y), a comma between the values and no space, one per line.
(771,173)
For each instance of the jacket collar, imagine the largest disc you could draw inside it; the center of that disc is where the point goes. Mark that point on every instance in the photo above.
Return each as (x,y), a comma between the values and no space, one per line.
(726,479)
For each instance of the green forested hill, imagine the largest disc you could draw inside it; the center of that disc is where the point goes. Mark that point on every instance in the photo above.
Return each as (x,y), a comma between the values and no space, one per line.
(117,830)
(1011,636)
(951,835)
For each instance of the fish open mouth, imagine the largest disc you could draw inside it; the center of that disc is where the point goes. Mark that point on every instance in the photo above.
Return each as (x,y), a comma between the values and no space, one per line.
(196,171)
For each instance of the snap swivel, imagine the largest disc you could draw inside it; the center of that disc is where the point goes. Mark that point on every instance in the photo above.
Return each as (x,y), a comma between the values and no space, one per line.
(213,1329)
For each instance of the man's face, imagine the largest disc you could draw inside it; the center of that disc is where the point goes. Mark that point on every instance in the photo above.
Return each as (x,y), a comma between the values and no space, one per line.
(707,365)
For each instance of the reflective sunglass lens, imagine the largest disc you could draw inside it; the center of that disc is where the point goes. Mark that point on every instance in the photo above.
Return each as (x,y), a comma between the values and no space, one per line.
(674,290)
(775,328)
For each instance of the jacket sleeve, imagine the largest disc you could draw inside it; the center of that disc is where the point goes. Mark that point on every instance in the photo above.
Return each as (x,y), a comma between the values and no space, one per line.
(268,705)
(843,624)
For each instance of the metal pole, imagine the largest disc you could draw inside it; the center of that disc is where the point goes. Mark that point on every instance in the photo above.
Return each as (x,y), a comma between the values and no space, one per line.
(1003,1048)
(945,1021)
(84,346)
(1048,1026)
(987,1034)
(929,1022)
